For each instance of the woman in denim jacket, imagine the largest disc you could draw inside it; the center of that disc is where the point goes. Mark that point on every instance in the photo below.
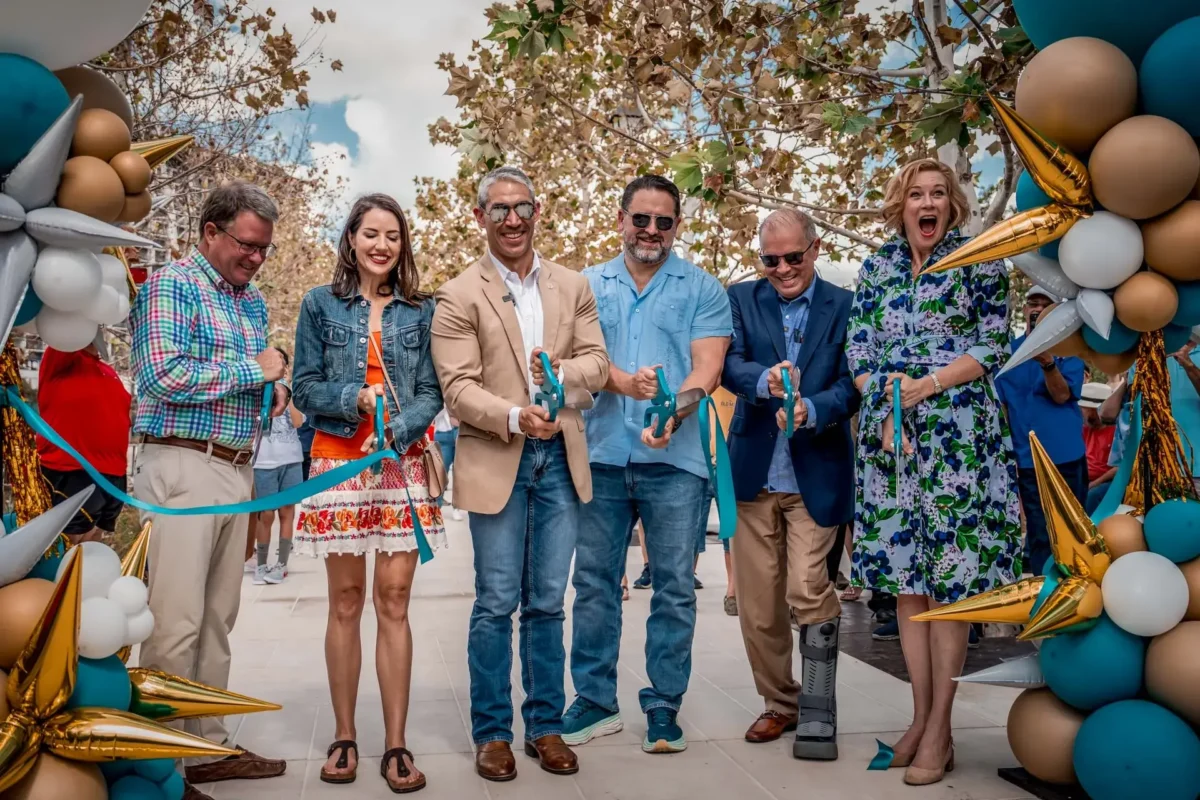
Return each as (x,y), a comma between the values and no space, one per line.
(370,324)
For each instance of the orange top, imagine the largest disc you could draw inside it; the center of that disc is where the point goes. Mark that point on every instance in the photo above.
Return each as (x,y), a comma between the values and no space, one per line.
(326,445)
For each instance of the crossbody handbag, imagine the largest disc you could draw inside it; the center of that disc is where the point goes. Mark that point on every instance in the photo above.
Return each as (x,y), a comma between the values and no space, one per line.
(431,456)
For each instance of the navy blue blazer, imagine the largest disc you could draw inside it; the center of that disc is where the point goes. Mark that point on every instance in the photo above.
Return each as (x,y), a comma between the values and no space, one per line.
(822,457)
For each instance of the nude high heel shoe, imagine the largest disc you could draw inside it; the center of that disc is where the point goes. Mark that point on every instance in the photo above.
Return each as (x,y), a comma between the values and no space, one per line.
(919,776)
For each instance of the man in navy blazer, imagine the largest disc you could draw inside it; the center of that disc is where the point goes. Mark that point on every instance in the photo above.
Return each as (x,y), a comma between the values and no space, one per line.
(792,493)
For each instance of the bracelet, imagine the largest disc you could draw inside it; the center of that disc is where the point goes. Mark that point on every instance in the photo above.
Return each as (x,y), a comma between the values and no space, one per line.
(937,385)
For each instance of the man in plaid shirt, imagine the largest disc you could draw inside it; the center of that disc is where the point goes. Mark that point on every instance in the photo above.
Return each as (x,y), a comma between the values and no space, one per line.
(200,363)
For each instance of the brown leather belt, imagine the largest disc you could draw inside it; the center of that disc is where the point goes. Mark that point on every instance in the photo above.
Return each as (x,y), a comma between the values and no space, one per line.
(239,458)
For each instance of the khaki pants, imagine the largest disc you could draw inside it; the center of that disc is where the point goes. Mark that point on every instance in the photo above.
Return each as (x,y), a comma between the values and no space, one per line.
(779,567)
(195,568)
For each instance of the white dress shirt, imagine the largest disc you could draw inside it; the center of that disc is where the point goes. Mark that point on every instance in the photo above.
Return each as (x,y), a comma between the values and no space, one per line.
(527,300)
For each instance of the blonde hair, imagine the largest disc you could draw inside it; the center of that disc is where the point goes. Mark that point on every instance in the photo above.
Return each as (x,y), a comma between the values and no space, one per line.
(897,193)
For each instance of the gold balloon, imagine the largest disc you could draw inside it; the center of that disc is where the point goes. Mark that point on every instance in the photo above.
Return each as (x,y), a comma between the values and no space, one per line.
(1076,89)
(20,742)
(133,565)
(136,208)
(1173,670)
(1055,170)
(133,170)
(1172,242)
(53,777)
(1076,547)
(1144,167)
(101,734)
(1112,364)
(1011,604)
(1146,302)
(1191,571)
(1122,534)
(43,678)
(23,603)
(1071,347)
(1027,231)
(4,707)
(90,186)
(1041,733)
(1074,601)
(100,133)
(163,697)
(158,151)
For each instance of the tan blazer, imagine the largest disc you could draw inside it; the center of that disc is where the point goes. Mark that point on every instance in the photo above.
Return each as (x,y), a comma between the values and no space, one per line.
(480,360)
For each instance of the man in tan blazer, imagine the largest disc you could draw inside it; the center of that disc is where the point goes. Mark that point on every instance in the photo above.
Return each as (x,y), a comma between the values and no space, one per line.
(521,476)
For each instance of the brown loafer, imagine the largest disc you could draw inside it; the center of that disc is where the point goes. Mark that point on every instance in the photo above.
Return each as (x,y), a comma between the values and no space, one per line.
(494,761)
(770,726)
(245,766)
(192,793)
(553,754)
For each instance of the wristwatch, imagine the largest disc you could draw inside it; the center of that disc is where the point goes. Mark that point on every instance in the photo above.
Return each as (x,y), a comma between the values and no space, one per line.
(1052,365)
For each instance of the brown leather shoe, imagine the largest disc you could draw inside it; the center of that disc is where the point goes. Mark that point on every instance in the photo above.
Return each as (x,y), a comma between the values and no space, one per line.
(245,766)
(553,754)
(192,793)
(494,761)
(770,726)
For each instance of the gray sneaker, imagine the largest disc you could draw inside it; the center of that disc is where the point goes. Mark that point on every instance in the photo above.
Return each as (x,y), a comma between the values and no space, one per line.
(264,575)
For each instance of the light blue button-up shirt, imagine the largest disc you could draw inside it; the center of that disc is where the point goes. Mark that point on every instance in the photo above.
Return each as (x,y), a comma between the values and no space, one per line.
(781,477)
(680,304)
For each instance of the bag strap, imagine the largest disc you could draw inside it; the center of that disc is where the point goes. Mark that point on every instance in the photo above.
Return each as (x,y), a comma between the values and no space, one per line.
(387,379)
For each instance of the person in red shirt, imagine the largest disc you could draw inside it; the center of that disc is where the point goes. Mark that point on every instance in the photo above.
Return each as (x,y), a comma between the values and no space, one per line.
(84,400)
(1097,436)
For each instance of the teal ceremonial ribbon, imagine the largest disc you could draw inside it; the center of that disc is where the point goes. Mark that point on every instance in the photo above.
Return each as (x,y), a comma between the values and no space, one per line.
(1115,495)
(897,433)
(719,471)
(789,401)
(552,394)
(423,549)
(883,758)
(662,406)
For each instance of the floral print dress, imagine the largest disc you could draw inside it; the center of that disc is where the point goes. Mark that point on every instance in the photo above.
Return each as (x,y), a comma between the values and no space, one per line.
(953,530)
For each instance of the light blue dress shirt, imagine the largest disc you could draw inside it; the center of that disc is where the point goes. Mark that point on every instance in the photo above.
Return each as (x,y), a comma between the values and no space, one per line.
(680,304)
(781,477)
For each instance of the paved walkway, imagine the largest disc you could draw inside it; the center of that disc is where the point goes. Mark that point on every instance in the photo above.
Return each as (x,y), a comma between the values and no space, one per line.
(278,655)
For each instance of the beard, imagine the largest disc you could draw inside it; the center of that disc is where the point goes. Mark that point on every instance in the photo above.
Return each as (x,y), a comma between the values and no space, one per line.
(646,252)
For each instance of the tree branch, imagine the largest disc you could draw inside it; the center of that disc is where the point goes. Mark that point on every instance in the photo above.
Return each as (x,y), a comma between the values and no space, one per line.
(1012,171)
(766,201)
(608,127)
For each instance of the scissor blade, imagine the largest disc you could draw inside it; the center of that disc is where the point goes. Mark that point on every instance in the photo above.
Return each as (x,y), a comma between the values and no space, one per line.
(580,399)
(687,401)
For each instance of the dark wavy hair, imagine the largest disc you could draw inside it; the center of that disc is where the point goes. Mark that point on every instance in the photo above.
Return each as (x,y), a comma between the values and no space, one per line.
(404,280)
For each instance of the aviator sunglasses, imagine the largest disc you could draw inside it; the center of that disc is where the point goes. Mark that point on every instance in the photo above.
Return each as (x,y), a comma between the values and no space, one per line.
(793,259)
(644,220)
(499,211)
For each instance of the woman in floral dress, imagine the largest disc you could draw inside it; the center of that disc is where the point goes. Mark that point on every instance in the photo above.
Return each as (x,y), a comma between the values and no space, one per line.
(953,529)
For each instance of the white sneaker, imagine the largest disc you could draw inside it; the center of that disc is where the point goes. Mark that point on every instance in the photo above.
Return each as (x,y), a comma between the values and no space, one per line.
(251,565)
(457,515)
(277,572)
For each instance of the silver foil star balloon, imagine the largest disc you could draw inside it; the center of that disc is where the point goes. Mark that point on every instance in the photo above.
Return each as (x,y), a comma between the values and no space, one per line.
(21,549)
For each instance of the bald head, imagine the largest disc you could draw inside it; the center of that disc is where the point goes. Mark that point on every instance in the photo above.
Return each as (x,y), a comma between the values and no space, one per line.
(789,218)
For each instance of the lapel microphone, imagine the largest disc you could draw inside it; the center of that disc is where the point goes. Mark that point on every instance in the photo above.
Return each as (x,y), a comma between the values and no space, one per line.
(508,298)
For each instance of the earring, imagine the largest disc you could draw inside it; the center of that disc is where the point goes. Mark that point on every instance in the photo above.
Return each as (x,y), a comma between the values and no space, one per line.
(354,257)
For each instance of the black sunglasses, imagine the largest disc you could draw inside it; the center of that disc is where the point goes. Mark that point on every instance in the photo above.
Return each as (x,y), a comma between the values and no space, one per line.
(249,249)
(499,211)
(644,220)
(794,258)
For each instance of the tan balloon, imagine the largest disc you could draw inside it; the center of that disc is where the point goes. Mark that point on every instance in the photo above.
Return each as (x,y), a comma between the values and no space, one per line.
(1041,733)
(133,170)
(1146,302)
(90,186)
(1076,90)
(136,207)
(1122,534)
(98,91)
(1072,346)
(53,777)
(1191,571)
(23,603)
(1173,670)
(1172,242)
(100,133)
(4,708)
(1111,364)
(1144,167)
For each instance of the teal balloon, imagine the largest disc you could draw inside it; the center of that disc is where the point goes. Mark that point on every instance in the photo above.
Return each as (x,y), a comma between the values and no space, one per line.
(1133,27)
(1169,78)
(1175,337)
(1120,339)
(10,522)
(31,98)
(155,770)
(47,567)
(172,787)
(113,771)
(1136,748)
(101,683)
(1188,314)
(30,306)
(1094,667)
(1029,195)
(132,787)
(1172,530)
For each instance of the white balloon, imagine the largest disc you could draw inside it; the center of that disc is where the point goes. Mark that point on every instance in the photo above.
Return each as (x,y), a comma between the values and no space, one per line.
(130,594)
(1097,310)
(102,627)
(105,307)
(1101,251)
(122,307)
(101,566)
(112,272)
(66,280)
(65,331)
(63,33)
(139,628)
(1144,593)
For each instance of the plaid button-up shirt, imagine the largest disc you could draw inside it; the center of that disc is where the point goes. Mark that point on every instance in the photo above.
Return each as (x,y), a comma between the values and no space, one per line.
(194,341)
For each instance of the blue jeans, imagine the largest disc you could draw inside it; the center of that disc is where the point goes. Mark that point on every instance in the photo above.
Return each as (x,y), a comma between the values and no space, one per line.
(1037,540)
(447,441)
(668,501)
(523,559)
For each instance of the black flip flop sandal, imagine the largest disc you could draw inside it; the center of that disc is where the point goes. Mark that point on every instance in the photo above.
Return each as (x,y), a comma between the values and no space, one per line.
(397,754)
(344,746)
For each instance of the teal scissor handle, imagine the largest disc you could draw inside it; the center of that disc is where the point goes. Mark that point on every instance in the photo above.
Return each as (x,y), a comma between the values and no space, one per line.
(897,427)
(380,433)
(268,401)
(789,401)
(552,395)
(662,406)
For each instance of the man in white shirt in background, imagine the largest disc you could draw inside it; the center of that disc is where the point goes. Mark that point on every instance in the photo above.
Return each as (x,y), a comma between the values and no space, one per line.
(445,433)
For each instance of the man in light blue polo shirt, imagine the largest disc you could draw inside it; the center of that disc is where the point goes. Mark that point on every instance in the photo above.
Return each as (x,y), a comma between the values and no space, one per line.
(656,310)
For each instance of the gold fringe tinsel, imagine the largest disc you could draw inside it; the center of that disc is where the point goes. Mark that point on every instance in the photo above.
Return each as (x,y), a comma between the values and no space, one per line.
(1159,471)
(22,469)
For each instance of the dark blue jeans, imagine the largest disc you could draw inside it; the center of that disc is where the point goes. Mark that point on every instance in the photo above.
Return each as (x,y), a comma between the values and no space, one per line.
(1037,541)
(523,560)
(668,501)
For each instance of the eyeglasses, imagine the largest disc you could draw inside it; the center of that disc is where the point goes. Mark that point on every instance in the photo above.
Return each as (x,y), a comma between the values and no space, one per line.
(248,249)
(499,211)
(794,258)
(644,220)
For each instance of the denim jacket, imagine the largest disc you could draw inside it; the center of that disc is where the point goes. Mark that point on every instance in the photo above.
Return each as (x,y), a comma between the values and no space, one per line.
(331,364)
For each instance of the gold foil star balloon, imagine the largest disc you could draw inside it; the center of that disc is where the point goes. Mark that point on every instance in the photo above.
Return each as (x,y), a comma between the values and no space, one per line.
(164,697)
(1012,604)
(1073,603)
(1027,231)
(134,564)
(158,151)
(1077,547)
(1053,168)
